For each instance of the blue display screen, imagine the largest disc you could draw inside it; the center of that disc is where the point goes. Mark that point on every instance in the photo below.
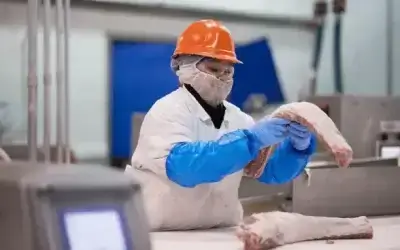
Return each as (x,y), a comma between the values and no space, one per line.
(94,228)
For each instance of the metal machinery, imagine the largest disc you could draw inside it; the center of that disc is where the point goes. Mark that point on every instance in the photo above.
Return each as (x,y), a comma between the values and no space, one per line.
(359,118)
(388,143)
(67,206)
(369,187)
(371,184)
(61,152)
(137,120)
(70,207)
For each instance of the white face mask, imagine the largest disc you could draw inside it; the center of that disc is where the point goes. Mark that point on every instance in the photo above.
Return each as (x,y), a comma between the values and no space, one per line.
(213,90)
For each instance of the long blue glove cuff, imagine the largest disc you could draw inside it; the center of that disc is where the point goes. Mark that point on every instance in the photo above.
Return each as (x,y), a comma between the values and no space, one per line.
(287,163)
(192,163)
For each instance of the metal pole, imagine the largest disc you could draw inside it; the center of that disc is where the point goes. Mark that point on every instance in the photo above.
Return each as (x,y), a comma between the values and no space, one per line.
(59,75)
(320,12)
(337,55)
(67,10)
(46,80)
(338,8)
(389,47)
(32,78)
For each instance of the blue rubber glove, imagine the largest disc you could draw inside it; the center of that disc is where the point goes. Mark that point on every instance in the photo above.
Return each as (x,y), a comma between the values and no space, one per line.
(270,131)
(299,135)
(286,162)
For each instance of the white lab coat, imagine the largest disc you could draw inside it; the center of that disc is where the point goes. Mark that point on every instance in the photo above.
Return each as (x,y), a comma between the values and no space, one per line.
(175,118)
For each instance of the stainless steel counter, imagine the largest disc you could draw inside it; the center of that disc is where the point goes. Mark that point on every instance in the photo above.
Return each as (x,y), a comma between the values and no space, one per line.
(368,187)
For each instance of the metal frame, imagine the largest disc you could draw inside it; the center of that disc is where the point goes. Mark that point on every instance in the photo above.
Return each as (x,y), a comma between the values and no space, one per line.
(165,10)
(370,188)
(39,14)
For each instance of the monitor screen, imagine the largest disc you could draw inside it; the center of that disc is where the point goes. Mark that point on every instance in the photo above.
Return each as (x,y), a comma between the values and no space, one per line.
(93,229)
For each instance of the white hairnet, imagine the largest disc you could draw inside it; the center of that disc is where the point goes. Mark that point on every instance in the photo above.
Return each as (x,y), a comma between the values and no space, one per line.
(184,60)
(212,89)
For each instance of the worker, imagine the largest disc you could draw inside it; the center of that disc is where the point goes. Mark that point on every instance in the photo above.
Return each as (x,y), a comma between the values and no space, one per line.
(193,144)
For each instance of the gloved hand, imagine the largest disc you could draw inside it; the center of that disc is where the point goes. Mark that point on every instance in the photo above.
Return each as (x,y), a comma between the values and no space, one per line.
(299,135)
(270,131)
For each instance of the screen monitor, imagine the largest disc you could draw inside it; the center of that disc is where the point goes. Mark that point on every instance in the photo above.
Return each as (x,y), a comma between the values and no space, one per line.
(93,229)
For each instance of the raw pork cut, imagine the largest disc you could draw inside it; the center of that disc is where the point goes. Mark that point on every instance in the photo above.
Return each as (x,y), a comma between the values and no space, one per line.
(256,167)
(315,120)
(269,230)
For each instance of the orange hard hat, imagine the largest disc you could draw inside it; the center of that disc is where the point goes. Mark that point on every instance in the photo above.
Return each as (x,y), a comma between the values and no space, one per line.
(207,38)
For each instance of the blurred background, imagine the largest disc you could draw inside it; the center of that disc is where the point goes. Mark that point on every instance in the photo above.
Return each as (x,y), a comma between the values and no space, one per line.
(120,52)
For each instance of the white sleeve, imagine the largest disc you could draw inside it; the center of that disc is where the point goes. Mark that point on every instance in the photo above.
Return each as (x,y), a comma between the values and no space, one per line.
(162,128)
(249,120)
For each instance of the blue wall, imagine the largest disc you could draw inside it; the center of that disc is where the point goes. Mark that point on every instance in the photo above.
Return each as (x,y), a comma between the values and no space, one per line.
(257,74)
(141,74)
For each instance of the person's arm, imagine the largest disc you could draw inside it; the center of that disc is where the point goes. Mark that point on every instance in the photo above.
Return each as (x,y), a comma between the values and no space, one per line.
(166,147)
(286,162)
(192,163)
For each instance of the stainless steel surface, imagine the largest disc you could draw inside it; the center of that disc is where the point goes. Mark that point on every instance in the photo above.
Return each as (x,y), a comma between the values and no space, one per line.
(39,197)
(60,79)
(137,120)
(372,188)
(356,163)
(4,156)
(19,152)
(259,204)
(67,148)
(252,188)
(321,156)
(306,23)
(392,126)
(46,80)
(358,117)
(32,30)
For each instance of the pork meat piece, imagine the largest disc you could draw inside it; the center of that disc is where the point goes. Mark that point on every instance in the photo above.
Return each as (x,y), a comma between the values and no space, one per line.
(256,167)
(269,230)
(311,116)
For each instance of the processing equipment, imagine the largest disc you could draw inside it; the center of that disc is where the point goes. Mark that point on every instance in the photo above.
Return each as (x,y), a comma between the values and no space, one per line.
(388,141)
(64,207)
(368,187)
(359,118)
(70,207)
